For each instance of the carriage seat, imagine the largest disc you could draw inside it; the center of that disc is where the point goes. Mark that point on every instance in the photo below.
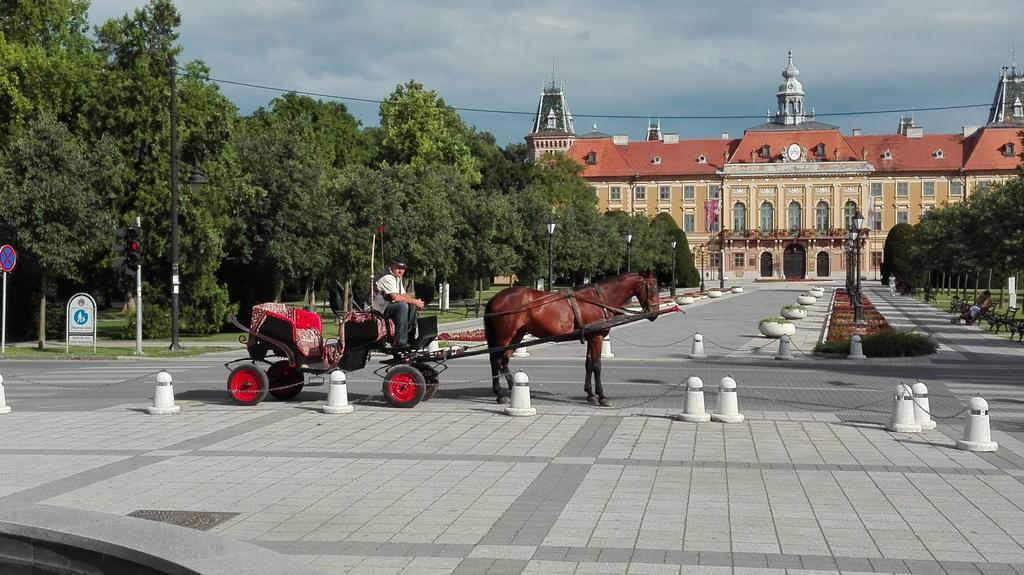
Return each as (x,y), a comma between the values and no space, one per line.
(290,324)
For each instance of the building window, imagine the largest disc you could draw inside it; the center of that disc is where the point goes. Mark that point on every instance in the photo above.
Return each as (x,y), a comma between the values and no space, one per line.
(928,190)
(902,216)
(767,217)
(876,260)
(821,219)
(714,191)
(876,189)
(713,260)
(640,193)
(849,209)
(688,222)
(1008,150)
(982,185)
(902,189)
(615,194)
(688,193)
(664,193)
(875,219)
(739,217)
(591,159)
(766,152)
(796,216)
(737,260)
(956,188)
(819,151)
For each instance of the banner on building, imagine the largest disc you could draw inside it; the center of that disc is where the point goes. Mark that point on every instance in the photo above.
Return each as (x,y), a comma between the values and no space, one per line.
(711,216)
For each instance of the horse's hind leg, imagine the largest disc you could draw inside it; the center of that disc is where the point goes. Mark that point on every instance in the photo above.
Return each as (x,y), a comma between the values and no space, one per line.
(499,366)
(594,367)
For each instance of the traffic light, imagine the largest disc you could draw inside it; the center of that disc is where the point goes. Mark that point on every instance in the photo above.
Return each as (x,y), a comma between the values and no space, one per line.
(132,248)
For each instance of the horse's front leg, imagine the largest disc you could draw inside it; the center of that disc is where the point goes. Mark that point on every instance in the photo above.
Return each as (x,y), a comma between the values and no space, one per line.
(594,367)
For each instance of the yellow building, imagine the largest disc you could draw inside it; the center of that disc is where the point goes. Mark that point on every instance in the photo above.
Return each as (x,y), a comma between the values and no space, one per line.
(777,202)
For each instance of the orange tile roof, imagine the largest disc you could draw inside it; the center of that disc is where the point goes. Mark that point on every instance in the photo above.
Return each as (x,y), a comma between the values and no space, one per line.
(911,154)
(778,140)
(985,149)
(639,158)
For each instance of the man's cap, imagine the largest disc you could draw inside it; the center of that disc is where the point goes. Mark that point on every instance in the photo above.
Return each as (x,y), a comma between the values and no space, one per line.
(399,263)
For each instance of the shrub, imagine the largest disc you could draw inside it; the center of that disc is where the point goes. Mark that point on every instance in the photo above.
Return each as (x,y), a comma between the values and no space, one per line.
(887,343)
(793,306)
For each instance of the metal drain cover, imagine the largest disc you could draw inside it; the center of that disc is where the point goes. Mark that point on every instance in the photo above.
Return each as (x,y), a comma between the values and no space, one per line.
(200,520)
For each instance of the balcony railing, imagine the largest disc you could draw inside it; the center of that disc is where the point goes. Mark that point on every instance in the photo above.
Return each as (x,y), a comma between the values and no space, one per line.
(759,234)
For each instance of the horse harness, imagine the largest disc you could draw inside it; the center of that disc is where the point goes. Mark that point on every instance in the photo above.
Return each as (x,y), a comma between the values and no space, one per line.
(578,319)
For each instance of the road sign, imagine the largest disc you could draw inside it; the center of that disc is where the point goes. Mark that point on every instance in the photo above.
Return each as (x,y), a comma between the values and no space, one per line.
(81,321)
(8,258)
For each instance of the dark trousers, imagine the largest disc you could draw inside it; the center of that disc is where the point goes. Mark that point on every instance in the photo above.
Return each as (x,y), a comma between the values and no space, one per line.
(404,316)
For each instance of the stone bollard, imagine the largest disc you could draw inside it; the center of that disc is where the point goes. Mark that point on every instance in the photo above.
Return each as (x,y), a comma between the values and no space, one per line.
(698,347)
(694,412)
(856,350)
(728,403)
(163,398)
(902,419)
(784,351)
(977,433)
(521,351)
(337,395)
(4,408)
(520,405)
(606,346)
(922,409)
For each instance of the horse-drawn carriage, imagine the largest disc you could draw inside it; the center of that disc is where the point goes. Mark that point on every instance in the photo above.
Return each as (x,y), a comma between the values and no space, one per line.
(293,340)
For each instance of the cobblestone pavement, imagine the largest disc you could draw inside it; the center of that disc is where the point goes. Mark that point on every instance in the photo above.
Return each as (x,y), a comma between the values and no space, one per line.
(810,482)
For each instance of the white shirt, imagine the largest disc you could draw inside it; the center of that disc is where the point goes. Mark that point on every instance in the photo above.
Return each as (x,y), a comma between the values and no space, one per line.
(388,283)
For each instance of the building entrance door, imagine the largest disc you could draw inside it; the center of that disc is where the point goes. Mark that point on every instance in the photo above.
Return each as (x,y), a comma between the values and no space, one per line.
(767,264)
(822,265)
(794,262)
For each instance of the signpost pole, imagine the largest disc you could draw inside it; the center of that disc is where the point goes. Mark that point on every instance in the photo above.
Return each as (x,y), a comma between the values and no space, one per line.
(138,300)
(8,259)
(3,329)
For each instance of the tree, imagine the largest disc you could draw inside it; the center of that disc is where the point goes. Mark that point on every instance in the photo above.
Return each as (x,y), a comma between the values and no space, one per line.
(54,201)
(896,258)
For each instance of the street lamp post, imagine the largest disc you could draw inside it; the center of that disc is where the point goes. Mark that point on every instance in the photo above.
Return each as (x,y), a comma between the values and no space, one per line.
(551,266)
(701,251)
(672,286)
(629,243)
(857,225)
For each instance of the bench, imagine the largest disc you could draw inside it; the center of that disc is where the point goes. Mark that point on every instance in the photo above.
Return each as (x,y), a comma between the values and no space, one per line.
(1016,327)
(997,320)
(929,295)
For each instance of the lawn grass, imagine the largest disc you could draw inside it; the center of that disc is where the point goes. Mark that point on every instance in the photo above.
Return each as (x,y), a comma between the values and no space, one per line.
(79,352)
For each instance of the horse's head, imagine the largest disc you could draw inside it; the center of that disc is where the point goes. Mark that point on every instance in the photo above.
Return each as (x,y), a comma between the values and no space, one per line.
(647,292)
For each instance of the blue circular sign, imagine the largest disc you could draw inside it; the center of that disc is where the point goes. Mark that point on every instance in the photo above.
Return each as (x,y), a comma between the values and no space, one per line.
(8,258)
(81,317)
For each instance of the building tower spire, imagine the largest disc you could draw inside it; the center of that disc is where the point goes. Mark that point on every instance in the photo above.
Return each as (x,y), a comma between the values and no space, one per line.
(553,129)
(790,96)
(654,130)
(1006,106)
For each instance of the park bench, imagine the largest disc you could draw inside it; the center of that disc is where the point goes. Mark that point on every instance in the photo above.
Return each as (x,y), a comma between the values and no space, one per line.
(996,320)
(1016,327)
(929,295)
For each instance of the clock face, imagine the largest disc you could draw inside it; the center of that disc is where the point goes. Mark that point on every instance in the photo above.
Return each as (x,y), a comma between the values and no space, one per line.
(793,152)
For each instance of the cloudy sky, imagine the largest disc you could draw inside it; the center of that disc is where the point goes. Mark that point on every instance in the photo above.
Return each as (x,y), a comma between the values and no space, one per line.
(620,62)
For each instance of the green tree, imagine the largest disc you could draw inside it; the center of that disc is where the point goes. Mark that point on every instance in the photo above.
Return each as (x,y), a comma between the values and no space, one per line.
(896,253)
(54,201)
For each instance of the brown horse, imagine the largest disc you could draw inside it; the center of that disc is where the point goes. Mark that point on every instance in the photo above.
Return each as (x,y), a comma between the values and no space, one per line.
(517,311)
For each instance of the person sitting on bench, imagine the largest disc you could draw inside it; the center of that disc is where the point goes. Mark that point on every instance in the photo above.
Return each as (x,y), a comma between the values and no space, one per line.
(391,301)
(979,308)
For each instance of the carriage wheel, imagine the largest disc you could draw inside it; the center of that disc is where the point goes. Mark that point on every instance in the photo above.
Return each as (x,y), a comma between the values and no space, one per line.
(285,380)
(430,376)
(404,386)
(247,385)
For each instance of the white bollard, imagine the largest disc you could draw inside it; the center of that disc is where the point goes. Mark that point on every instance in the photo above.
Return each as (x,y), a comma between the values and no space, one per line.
(694,410)
(856,349)
(902,419)
(728,403)
(337,395)
(521,351)
(520,404)
(784,348)
(698,347)
(977,433)
(4,408)
(606,347)
(163,397)
(433,346)
(922,409)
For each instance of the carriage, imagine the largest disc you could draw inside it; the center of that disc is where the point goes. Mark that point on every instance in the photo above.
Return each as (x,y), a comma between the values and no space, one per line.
(290,342)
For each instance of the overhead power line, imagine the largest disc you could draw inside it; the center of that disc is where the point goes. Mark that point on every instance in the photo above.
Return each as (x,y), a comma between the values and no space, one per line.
(599,116)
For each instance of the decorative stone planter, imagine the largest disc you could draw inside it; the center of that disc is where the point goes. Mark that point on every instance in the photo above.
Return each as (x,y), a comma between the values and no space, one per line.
(805,299)
(684,300)
(776,327)
(816,292)
(793,312)
(713,294)
(737,289)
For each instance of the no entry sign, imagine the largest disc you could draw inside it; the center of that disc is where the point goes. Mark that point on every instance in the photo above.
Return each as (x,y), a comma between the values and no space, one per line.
(8,258)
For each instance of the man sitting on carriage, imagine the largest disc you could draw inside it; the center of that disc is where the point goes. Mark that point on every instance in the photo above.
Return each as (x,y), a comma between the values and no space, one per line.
(391,301)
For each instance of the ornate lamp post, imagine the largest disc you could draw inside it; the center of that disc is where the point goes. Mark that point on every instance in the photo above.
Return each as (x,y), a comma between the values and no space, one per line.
(857,224)
(700,250)
(629,243)
(551,266)
(672,286)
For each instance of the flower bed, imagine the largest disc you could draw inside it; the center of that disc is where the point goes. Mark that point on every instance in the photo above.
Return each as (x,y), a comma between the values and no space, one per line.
(841,327)
(468,335)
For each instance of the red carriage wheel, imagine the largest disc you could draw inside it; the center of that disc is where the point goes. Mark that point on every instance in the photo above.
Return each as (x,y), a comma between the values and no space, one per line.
(430,377)
(404,386)
(285,380)
(247,385)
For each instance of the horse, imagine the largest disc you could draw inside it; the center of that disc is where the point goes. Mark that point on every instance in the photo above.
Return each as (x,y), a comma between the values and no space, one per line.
(517,311)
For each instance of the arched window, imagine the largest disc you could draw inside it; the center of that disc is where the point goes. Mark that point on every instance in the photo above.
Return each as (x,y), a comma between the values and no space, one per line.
(767,217)
(739,217)
(849,209)
(796,215)
(821,216)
